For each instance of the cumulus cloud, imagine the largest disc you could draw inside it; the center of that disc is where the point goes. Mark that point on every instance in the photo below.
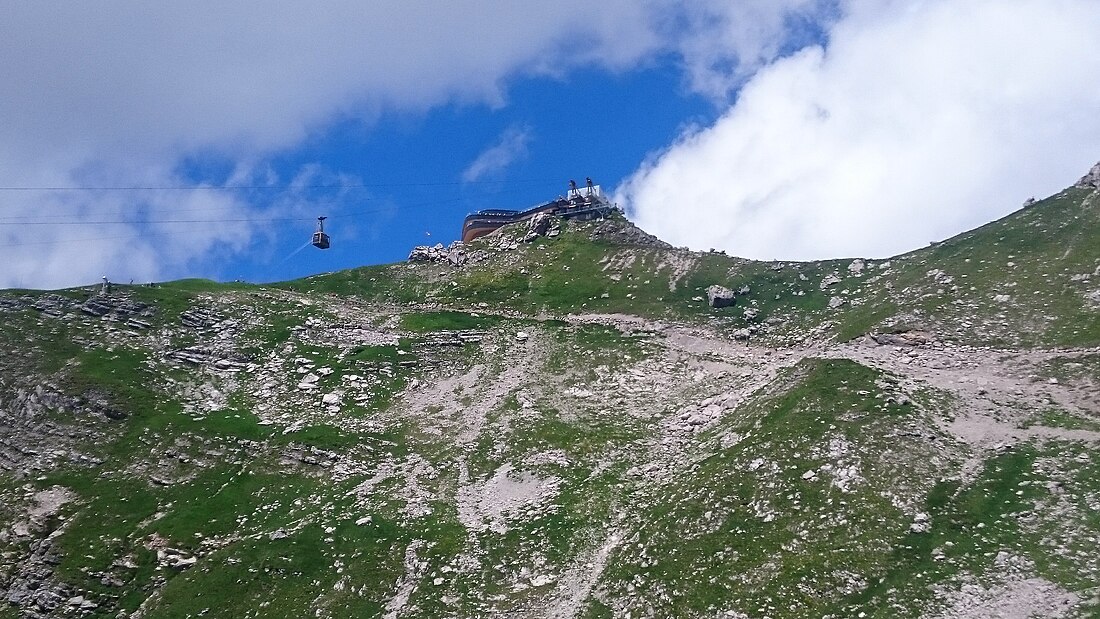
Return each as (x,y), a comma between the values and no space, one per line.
(915,122)
(511,146)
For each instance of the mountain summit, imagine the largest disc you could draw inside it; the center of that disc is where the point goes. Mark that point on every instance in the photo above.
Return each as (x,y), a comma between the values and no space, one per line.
(569,418)
(1090,180)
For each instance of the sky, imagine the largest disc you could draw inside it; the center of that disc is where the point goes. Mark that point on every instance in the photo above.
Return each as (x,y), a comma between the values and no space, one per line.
(154,141)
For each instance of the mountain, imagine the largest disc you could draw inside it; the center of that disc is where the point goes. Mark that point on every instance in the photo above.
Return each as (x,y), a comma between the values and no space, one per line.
(569,419)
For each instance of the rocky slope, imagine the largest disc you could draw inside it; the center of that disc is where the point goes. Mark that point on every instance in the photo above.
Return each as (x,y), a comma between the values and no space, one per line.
(557,423)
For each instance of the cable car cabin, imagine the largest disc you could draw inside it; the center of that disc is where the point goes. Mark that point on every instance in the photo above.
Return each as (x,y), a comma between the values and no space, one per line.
(320,239)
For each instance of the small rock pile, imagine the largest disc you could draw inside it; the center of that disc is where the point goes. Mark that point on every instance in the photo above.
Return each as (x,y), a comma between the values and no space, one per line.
(454,254)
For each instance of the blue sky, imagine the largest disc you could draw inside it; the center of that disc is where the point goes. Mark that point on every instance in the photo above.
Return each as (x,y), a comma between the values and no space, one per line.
(589,123)
(154,141)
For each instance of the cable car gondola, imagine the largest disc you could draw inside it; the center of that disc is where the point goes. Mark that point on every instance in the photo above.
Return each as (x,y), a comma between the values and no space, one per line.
(320,239)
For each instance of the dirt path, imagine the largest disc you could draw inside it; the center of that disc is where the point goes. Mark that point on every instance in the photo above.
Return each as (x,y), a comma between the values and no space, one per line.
(998,394)
(998,391)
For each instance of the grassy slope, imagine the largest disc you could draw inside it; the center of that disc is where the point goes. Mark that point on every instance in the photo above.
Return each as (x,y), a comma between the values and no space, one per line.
(1031,257)
(1037,258)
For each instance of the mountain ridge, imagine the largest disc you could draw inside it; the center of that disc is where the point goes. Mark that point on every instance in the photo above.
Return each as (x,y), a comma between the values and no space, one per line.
(564,425)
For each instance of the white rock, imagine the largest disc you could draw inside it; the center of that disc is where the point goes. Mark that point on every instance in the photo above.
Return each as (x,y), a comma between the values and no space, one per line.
(541,579)
(921,523)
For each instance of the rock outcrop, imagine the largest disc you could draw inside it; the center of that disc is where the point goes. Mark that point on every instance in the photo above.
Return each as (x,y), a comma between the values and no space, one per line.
(454,254)
(619,231)
(1091,180)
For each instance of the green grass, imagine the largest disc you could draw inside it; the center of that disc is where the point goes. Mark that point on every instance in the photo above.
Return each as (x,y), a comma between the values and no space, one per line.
(425,322)
(120,375)
(323,436)
(294,575)
(385,353)
(967,524)
(1057,418)
(719,532)
(384,283)
(1047,244)
(579,350)
(41,348)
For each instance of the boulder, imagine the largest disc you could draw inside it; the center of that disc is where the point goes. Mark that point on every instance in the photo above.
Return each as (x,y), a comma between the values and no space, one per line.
(539,224)
(456,254)
(831,279)
(720,296)
(903,338)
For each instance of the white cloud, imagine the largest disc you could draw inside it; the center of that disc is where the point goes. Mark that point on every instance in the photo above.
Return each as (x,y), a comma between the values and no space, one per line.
(919,120)
(511,146)
(728,41)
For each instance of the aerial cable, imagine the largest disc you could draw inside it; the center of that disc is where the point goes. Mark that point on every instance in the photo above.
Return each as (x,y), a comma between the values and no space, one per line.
(12,221)
(274,187)
(95,239)
(151,221)
(174,233)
